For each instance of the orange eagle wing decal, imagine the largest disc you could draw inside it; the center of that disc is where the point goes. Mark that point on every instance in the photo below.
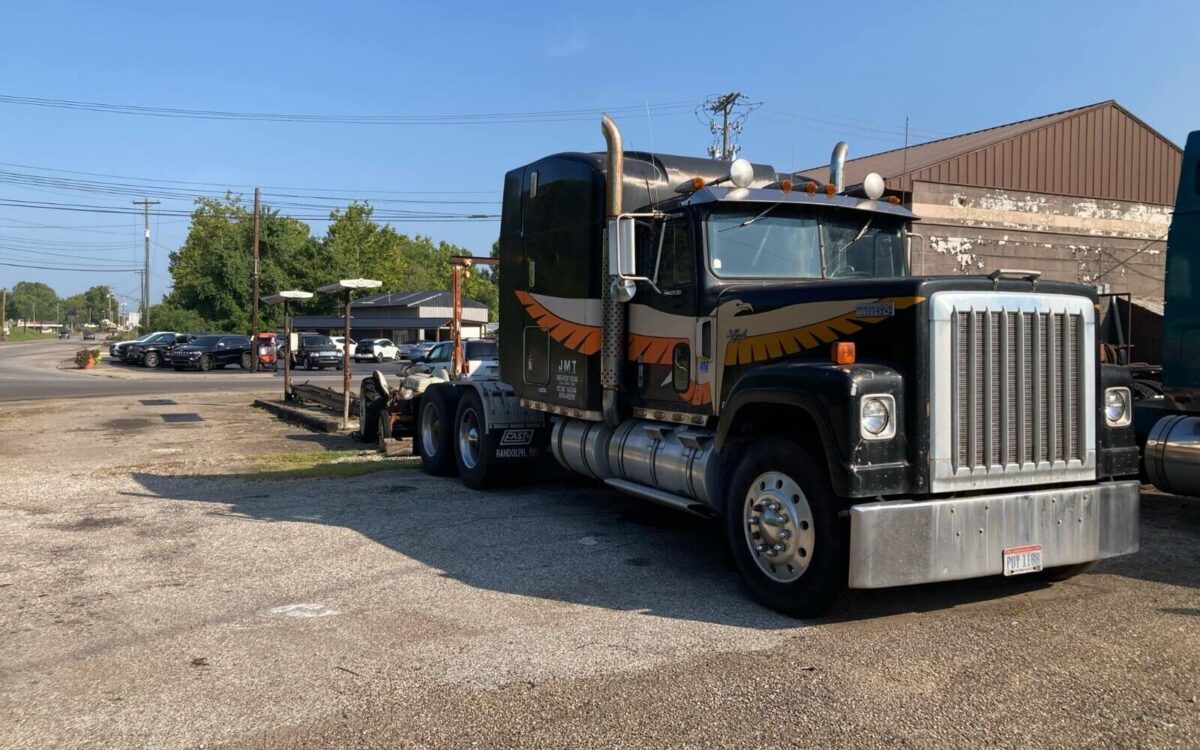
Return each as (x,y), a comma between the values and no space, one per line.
(653,350)
(579,337)
(766,346)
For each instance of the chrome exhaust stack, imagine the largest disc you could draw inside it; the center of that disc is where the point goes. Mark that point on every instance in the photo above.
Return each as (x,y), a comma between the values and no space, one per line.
(837,166)
(612,336)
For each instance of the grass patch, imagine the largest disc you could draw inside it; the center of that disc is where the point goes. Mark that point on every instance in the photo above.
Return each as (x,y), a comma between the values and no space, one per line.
(326,464)
(20,334)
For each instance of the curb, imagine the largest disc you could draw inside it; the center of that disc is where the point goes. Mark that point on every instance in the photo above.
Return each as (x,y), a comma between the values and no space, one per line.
(321,423)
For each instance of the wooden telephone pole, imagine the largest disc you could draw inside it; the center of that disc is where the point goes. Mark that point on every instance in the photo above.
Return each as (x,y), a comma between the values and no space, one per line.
(145,203)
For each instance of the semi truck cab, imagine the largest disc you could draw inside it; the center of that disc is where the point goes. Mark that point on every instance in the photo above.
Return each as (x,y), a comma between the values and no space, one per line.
(749,345)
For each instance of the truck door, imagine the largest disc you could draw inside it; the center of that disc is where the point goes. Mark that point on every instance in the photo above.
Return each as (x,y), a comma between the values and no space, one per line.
(664,325)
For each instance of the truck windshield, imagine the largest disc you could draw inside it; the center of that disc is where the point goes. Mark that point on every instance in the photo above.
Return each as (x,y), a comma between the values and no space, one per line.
(785,244)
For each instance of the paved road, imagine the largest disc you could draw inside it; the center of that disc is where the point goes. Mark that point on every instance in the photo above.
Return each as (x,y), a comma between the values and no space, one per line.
(29,371)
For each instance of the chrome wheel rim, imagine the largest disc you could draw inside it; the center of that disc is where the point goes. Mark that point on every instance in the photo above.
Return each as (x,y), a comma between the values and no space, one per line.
(778,526)
(468,438)
(431,430)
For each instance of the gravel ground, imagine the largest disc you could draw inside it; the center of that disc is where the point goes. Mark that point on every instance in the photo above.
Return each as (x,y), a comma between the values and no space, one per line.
(157,591)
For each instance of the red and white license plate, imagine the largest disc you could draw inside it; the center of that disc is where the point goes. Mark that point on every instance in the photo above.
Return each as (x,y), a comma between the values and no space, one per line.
(1018,560)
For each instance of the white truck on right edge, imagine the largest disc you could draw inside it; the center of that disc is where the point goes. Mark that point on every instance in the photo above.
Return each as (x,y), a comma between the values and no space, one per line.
(749,345)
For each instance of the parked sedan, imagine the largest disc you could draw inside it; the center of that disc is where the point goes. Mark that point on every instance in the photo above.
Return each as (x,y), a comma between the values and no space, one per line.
(117,350)
(340,343)
(418,351)
(376,350)
(157,350)
(212,350)
(317,351)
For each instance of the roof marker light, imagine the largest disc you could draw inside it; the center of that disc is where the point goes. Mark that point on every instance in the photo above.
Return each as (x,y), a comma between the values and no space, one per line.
(785,186)
(810,187)
(831,190)
(873,186)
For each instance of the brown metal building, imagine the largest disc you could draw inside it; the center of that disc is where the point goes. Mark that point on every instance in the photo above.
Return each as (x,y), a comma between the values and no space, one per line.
(1083,195)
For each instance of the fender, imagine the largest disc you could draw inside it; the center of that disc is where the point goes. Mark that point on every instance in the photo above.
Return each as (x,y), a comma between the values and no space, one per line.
(831,395)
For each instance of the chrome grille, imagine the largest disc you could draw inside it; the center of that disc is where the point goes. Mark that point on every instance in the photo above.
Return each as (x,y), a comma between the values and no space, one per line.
(1013,379)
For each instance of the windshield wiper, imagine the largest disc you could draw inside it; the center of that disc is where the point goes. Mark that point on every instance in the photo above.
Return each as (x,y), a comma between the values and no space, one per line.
(750,221)
(862,231)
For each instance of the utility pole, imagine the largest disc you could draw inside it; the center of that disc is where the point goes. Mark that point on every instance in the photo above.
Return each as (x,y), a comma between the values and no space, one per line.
(731,122)
(3,312)
(254,307)
(146,203)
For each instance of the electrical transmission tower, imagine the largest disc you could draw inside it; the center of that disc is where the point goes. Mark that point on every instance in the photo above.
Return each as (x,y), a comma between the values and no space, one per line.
(726,117)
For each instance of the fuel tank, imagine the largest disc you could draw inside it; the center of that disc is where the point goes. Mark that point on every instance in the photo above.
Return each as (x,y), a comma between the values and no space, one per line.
(676,459)
(1172,455)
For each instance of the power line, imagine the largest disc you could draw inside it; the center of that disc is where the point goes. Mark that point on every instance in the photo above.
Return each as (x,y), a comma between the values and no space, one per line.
(491,118)
(59,268)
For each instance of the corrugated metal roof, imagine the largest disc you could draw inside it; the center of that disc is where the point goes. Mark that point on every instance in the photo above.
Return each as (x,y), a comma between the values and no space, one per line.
(431,298)
(1097,151)
(335,321)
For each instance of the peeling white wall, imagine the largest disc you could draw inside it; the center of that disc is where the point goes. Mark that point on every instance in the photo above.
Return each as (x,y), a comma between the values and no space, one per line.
(975,230)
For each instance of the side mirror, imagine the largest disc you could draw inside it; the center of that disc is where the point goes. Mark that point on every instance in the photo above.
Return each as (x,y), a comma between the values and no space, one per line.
(622,256)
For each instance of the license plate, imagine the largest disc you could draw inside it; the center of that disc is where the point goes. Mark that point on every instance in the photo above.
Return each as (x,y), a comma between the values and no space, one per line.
(1018,560)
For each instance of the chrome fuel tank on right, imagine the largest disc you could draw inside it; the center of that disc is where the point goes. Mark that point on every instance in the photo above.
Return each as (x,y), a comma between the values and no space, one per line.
(672,458)
(1172,455)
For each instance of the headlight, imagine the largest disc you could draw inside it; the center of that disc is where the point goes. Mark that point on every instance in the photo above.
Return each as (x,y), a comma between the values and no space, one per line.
(1116,407)
(876,417)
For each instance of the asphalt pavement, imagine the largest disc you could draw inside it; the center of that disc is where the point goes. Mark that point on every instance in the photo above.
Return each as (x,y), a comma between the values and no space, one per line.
(158,588)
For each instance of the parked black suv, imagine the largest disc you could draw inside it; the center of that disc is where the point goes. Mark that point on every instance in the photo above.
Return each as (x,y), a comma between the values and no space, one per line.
(156,351)
(212,350)
(317,351)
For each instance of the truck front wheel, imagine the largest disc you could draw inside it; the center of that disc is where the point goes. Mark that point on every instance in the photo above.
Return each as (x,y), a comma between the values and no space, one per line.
(784,533)
(435,433)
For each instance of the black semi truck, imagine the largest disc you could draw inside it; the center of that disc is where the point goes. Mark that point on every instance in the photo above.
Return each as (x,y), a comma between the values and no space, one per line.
(749,345)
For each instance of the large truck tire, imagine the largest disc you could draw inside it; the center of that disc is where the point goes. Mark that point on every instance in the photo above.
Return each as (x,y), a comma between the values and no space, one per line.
(783,530)
(435,431)
(370,404)
(475,446)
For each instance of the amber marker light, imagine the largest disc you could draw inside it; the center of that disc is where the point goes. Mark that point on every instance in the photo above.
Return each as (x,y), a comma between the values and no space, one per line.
(785,186)
(831,190)
(843,352)
(810,187)
(893,200)
(697,183)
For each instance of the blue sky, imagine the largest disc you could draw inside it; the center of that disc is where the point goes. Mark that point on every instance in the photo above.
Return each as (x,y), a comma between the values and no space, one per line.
(851,71)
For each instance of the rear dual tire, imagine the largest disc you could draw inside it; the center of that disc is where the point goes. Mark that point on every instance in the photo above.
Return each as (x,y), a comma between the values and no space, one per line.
(435,431)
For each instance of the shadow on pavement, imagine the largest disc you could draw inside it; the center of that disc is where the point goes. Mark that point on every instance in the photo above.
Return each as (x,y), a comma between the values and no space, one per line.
(1169,545)
(569,540)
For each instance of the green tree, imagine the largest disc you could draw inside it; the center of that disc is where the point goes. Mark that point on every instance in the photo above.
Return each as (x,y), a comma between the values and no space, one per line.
(167,316)
(91,306)
(32,300)
(211,272)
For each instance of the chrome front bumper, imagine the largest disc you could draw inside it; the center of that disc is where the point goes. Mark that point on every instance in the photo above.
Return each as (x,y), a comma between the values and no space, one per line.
(899,542)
